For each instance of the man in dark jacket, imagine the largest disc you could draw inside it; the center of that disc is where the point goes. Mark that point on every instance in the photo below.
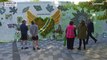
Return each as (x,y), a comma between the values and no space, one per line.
(24,30)
(90,27)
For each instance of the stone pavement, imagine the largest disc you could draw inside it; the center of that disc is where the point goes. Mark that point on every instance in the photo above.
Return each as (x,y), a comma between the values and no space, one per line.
(6,51)
(54,50)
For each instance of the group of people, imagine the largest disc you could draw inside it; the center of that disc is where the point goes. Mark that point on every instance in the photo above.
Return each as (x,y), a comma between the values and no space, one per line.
(24,35)
(83,31)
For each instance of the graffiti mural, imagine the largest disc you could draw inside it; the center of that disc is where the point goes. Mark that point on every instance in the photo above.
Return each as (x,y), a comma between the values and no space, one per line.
(13,10)
(49,8)
(80,15)
(8,16)
(2,10)
(37,7)
(47,16)
(25,9)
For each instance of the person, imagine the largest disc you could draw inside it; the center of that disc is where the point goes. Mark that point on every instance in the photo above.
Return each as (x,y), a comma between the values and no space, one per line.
(70,35)
(82,34)
(34,33)
(24,30)
(90,27)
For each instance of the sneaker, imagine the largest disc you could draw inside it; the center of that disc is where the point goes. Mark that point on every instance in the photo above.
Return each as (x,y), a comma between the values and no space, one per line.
(84,48)
(95,41)
(26,48)
(22,48)
(79,48)
(38,48)
(33,48)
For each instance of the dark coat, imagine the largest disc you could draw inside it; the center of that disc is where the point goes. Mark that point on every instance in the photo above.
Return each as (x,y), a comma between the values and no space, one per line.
(90,27)
(23,29)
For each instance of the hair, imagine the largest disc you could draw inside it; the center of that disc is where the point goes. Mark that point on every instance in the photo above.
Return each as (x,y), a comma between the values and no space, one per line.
(82,23)
(71,22)
(23,21)
(32,22)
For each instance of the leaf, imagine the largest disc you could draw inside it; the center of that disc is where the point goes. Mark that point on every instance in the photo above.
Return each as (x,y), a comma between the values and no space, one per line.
(13,10)
(37,7)
(25,9)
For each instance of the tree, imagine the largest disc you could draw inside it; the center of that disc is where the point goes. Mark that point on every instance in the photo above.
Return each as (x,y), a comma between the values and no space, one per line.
(3,0)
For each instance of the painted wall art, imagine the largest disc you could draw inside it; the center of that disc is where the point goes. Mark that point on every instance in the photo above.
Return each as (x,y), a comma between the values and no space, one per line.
(37,7)
(13,10)
(25,9)
(49,8)
(2,10)
(12,25)
(8,16)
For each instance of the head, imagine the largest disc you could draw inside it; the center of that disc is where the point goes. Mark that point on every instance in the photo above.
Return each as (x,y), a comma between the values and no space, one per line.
(82,22)
(71,22)
(23,22)
(32,22)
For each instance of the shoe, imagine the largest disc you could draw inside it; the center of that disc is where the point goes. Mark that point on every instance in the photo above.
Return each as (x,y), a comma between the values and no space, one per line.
(38,48)
(33,48)
(26,48)
(84,48)
(79,48)
(95,41)
(22,48)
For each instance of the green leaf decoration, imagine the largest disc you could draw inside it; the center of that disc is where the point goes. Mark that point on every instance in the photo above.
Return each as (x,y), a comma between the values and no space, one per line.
(19,19)
(37,7)
(80,15)
(25,9)
(45,25)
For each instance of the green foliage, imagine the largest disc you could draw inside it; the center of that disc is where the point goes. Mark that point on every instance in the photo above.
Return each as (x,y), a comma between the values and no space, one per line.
(65,7)
(98,1)
(89,6)
(95,8)
(3,0)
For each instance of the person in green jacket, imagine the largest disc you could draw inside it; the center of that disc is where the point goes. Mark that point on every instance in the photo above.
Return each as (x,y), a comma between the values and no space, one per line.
(82,34)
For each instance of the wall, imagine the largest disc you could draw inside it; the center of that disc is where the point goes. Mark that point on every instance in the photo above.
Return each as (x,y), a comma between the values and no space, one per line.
(7,34)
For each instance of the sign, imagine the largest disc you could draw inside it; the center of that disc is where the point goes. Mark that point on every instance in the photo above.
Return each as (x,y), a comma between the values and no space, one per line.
(98,3)
(10,4)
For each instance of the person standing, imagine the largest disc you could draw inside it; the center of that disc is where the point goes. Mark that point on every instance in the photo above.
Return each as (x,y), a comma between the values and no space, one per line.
(82,34)
(90,27)
(34,33)
(70,35)
(24,30)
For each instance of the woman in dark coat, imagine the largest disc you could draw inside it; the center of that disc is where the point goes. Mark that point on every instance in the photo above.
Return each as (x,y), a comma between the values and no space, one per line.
(82,34)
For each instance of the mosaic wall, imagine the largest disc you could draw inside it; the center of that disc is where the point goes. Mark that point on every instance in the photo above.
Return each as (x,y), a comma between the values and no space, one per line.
(48,18)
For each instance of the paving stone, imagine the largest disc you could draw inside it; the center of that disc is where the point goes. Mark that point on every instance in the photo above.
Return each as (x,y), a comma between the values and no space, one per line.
(54,50)
(60,59)
(50,57)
